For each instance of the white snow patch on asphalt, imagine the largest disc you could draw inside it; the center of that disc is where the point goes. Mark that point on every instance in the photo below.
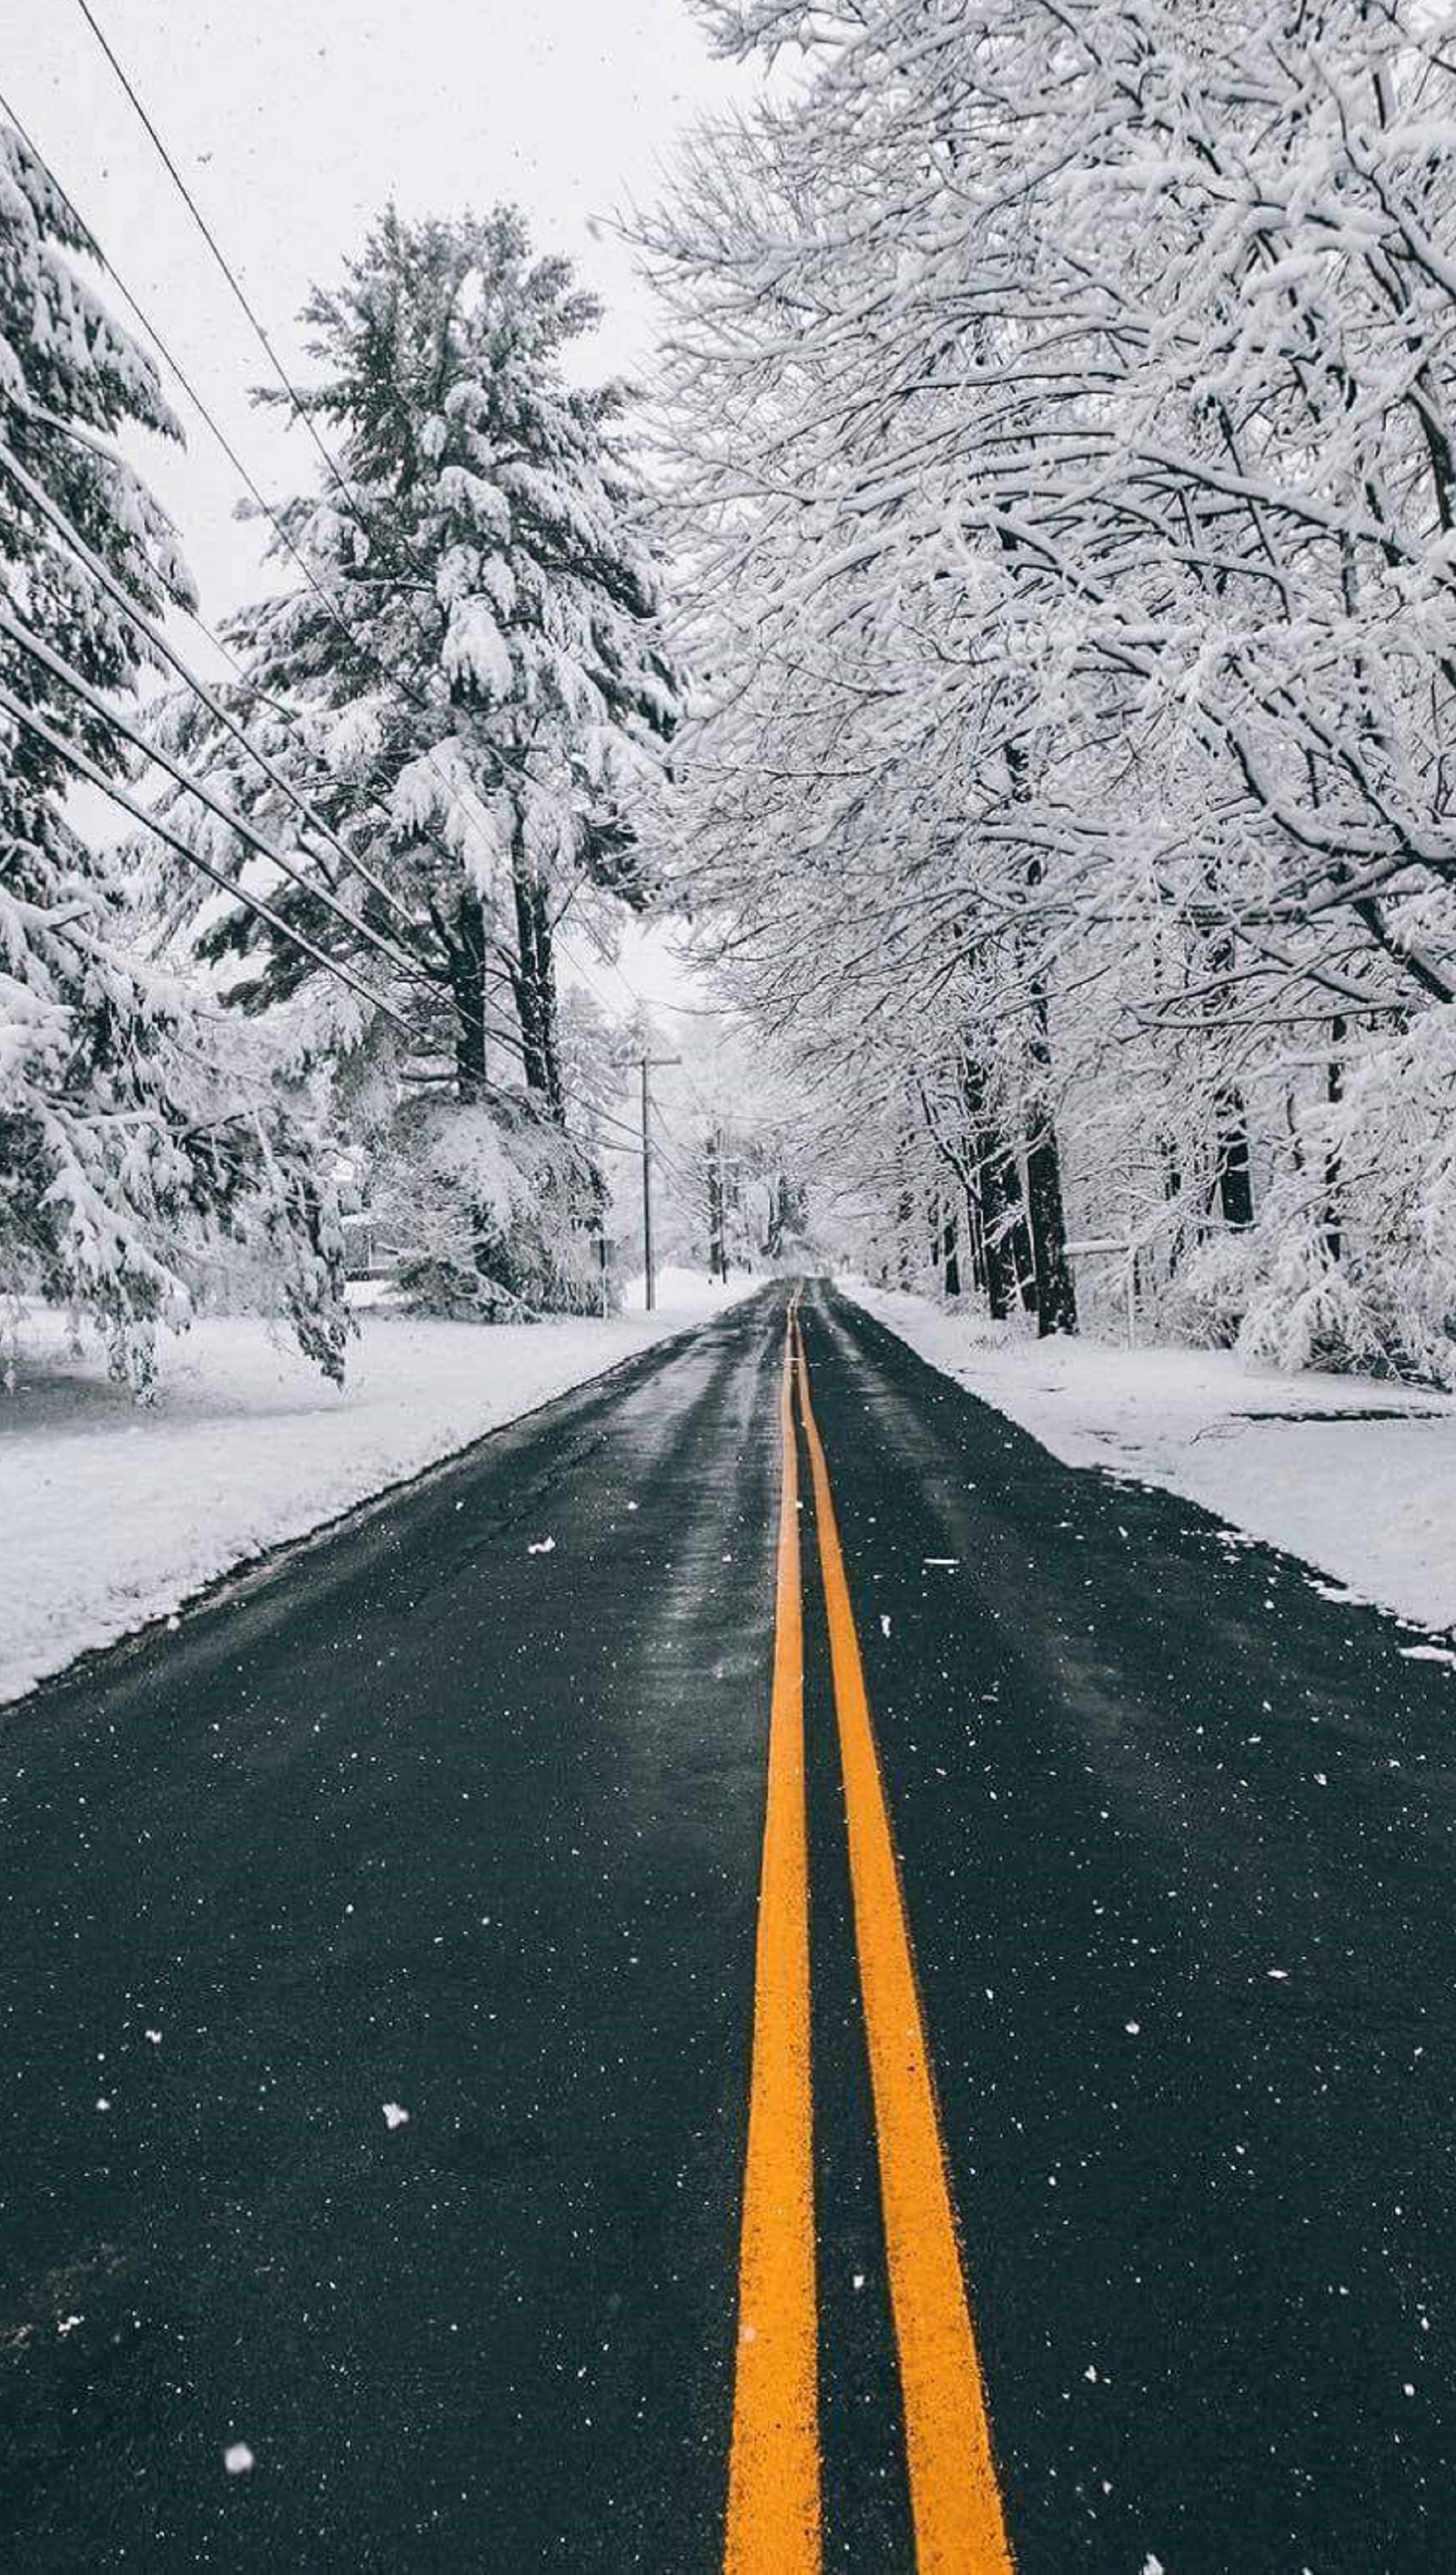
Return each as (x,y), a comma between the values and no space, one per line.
(1370,1502)
(115,1512)
(236,2459)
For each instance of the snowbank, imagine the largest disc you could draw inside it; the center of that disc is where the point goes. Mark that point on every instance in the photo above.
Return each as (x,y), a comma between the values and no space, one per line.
(1356,1476)
(114,1514)
(688,1292)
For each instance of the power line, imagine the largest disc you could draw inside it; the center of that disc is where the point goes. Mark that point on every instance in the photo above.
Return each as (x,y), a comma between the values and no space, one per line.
(681,1142)
(294,720)
(683,1175)
(61,670)
(81,762)
(632,1141)
(714,1117)
(690,1010)
(70,537)
(685,1171)
(358,643)
(728,1121)
(613,968)
(645,1008)
(301,413)
(85,767)
(179,371)
(586,974)
(301,410)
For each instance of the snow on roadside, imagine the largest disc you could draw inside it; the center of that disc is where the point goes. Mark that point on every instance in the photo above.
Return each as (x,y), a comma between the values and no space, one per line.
(115,1513)
(1371,1501)
(688,1291)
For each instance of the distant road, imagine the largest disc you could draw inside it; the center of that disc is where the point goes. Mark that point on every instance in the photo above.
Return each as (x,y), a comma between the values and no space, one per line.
(921,1986)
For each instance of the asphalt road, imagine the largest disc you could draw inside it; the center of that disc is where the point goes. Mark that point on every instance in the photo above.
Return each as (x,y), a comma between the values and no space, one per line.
(444,1817)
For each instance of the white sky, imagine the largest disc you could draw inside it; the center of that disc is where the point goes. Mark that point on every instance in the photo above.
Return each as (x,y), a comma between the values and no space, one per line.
(293,122)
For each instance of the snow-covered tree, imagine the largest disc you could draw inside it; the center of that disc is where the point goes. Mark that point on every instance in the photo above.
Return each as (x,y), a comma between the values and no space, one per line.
(145,1131)
(1062,397)
(466,672)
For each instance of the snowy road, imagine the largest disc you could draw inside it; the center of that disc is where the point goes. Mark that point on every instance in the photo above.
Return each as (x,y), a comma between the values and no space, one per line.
(461,1815)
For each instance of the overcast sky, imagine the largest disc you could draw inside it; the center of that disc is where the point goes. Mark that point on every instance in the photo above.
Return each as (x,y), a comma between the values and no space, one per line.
(293,122)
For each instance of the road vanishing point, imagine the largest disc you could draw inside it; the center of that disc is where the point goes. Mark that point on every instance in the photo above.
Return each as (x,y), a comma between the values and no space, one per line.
(754,1976)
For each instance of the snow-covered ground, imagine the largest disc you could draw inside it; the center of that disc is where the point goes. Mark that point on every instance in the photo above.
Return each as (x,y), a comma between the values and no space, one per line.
(114,1514)
(1371,1501)
(688,1291)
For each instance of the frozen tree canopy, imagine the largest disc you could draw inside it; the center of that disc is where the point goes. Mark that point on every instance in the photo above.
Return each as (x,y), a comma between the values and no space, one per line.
(466,674)
(145,1131)
(1061,404)
(1053,461)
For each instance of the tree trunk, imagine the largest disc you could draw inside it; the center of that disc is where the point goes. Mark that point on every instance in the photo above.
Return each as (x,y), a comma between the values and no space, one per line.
(975,1238)
(1003,1227)
(904,1219)
(468,987)
(1056,1295)
(1172,1171)
(993,1183)
(1000,1276)
(1334,1092)
(717,1266)
(534,982)
(1235,1183)
(952,1240)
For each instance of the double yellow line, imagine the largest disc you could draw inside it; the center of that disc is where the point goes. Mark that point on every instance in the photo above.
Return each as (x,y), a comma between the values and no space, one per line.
(773,2506)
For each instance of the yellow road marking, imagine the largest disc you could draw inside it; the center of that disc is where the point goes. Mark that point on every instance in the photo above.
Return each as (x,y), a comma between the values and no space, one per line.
(955,2496)
(774,2470)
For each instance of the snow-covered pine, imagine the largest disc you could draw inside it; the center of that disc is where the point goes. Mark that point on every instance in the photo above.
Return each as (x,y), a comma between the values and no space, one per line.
(465,672)
(145,1133)
(1063,402)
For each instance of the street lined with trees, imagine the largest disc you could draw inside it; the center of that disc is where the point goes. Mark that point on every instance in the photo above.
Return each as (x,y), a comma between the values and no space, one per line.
(758,1922)
(1044,524)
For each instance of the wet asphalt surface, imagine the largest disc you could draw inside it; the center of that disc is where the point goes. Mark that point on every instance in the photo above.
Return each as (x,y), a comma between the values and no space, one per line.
(441,1817)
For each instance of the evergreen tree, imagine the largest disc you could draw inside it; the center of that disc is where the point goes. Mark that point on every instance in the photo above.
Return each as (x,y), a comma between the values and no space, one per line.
(466,672)
(144,1131)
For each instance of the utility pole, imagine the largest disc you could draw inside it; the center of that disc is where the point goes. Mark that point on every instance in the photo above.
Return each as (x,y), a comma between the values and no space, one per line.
(648,1065)
(716,1208)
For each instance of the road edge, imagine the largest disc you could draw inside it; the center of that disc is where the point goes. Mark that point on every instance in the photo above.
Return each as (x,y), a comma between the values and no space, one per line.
(253,1570)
